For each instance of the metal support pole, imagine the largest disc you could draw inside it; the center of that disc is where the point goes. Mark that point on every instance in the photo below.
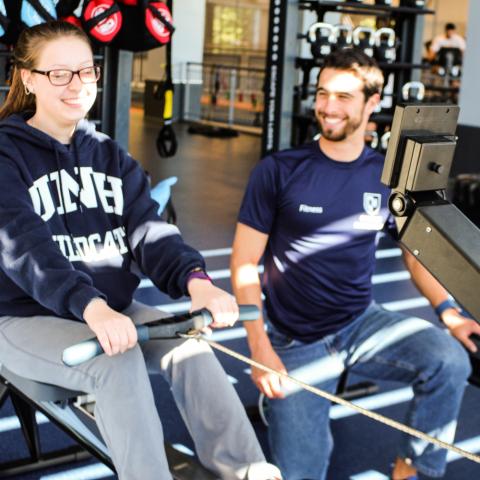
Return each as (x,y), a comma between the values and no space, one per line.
(124,97)
(233,88)
(117,94)
(281,75)
(186,106)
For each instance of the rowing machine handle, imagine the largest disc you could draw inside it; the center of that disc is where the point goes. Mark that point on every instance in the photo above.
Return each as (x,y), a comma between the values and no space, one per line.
(83,351)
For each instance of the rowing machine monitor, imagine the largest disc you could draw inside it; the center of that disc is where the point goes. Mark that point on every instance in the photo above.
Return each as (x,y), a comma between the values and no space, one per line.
(417,165)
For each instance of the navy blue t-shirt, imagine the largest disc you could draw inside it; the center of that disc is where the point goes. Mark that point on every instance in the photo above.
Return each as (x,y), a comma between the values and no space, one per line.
(322,217)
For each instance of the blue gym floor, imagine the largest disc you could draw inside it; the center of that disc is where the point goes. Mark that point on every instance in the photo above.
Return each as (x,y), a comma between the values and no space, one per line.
(212,174)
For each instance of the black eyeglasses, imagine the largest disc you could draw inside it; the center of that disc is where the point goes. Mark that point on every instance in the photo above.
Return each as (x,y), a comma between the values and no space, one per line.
(62,77)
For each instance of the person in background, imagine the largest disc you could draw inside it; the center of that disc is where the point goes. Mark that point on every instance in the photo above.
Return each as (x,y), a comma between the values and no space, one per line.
(76,223)
(449,39)
(314,213)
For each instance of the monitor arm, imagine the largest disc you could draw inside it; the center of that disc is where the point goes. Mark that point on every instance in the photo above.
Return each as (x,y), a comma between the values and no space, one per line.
(417,166)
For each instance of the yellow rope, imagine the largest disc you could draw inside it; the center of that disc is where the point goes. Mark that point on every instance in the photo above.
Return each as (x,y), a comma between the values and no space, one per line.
(334,398)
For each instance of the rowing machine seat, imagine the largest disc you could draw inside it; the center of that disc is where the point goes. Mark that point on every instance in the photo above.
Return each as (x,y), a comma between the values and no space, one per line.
(38,391)
(60,406)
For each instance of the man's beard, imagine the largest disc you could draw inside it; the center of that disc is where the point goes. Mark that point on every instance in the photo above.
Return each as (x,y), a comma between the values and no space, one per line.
(335,135)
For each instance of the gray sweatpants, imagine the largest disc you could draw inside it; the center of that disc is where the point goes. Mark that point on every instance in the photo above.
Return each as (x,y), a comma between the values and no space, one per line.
(125,410)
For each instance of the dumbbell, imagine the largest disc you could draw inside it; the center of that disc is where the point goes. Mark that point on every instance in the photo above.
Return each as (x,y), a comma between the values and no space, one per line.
(384,141)
(364,38)
(413,91)
(453,70)
(343,36)
(321,37)
(385,45)
(441,71)
(371,138)
(456,71)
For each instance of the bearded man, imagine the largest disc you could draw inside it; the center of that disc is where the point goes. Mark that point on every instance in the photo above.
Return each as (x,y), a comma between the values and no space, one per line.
(314,214)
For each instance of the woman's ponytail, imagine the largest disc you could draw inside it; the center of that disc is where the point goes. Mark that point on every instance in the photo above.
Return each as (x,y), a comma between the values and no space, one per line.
(17,99)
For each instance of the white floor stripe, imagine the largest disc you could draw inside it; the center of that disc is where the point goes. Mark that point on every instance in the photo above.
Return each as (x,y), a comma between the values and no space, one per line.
(471,445)
(216,252)
(12,423)
(415,302)
(373,402)
(214,275)
(382,253)
(219,274)
(145,283)
(183,449)
(175,307)
(370,475)
(388,253)
(228,334)
(390,277)
(91,472)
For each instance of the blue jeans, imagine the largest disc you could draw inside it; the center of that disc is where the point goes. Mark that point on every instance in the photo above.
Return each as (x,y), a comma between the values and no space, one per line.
(380,345)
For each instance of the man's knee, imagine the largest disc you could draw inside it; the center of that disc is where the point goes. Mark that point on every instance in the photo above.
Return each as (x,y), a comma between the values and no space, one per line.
(452,361)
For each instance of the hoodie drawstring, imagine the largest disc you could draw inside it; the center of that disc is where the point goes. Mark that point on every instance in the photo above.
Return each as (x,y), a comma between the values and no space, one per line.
(62,197)
(76,157)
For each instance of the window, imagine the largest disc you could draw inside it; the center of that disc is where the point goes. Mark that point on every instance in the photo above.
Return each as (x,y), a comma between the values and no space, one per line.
(233,27)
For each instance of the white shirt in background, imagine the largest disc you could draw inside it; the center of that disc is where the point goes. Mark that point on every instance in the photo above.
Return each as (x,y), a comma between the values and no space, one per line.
(442,41)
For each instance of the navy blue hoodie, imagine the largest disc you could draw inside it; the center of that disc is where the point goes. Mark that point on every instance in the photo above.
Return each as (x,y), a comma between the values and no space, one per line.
(77,222)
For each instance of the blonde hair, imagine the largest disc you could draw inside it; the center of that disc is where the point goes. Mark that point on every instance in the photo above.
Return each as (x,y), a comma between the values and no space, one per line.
(25,56)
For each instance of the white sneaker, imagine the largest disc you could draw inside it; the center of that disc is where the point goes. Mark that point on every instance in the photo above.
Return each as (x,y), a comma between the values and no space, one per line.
(263,471)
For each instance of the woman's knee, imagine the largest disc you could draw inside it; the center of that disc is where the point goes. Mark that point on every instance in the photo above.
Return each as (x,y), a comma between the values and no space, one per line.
(193,360)
(124,368)
(193,350)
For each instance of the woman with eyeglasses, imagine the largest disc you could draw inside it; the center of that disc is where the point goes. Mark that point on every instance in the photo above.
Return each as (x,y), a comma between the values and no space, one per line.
(76,224)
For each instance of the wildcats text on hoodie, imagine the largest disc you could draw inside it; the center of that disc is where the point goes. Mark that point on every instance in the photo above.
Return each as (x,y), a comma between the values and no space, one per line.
(96,190)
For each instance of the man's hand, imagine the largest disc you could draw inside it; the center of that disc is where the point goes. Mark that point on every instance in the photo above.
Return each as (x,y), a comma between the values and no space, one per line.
(115,331)
(461,327)
(269,384)
(219,303)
